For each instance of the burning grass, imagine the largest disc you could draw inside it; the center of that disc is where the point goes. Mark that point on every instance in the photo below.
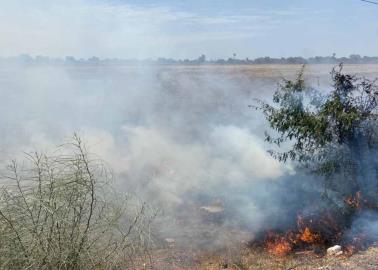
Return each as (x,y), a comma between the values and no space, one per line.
(318,231)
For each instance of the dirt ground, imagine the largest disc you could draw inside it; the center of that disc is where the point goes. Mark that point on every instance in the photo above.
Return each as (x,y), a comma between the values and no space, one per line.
(250,259)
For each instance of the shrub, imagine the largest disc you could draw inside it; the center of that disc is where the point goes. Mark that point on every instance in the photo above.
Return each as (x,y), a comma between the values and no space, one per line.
(59,212)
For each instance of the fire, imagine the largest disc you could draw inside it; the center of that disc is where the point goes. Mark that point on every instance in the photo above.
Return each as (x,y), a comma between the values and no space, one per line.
(319,230)
(278,245)
(309,237)
(303,237)
(281,245)
(279,249)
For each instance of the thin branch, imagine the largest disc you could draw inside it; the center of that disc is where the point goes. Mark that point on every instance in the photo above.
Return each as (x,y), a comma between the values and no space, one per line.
(371,2)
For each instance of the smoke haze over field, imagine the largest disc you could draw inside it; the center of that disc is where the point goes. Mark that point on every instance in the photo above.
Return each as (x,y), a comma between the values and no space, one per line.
(183,138)
(180,138)
(170,136)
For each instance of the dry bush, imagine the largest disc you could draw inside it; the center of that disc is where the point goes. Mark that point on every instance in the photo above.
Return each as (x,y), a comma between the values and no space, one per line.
(59,212)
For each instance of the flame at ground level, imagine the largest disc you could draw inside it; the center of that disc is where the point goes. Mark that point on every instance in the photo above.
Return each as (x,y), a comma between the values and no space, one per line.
(283,244)
(319,231)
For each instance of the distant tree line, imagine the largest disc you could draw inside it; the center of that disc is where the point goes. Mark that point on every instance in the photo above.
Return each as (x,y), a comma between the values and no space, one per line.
(202,60)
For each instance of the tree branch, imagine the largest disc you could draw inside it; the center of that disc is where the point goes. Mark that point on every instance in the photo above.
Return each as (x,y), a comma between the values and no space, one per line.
(371,2)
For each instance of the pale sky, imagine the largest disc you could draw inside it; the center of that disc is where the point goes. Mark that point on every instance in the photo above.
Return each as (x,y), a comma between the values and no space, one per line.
(188,28)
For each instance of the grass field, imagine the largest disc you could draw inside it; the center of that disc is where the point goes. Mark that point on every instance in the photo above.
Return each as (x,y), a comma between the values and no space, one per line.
(275,70)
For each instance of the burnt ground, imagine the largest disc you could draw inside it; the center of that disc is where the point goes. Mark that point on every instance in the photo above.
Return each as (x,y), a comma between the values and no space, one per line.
(246,258)
(190,249)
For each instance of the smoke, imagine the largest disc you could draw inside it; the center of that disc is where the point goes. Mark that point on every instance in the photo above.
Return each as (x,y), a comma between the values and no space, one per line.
(184,140)
(364,228)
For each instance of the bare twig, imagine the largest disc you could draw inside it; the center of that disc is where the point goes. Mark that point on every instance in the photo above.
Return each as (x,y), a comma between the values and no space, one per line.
(62,214)
(371,2)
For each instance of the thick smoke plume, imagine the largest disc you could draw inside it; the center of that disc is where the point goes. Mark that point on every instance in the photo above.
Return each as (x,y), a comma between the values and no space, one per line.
(184,140)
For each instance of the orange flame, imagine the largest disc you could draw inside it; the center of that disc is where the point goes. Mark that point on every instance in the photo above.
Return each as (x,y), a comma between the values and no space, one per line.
(309,237)
(278,244)
(281,247)
(317,231)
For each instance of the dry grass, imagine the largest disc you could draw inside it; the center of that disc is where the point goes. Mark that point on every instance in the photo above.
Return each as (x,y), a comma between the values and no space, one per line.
(273,71)
(244,258)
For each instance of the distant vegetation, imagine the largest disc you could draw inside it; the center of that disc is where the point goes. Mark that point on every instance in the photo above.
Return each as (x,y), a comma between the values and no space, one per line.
(202,60)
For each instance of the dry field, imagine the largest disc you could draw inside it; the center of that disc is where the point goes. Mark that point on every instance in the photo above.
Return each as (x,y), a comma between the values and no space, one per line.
(244,258)
(276,71)
(199,96)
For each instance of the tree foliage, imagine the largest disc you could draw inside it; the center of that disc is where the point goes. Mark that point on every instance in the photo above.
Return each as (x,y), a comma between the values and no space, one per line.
(333,133)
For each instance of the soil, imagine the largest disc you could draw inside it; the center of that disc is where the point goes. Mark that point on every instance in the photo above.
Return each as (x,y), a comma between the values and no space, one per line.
(249,259)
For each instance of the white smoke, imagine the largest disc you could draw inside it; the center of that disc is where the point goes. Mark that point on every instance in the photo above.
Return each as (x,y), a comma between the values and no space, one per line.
(179,139)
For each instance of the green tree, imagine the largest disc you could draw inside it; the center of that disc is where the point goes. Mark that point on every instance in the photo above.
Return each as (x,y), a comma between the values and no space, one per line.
(332,134)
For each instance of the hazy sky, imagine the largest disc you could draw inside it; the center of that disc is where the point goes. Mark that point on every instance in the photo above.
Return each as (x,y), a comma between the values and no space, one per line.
(187,28)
